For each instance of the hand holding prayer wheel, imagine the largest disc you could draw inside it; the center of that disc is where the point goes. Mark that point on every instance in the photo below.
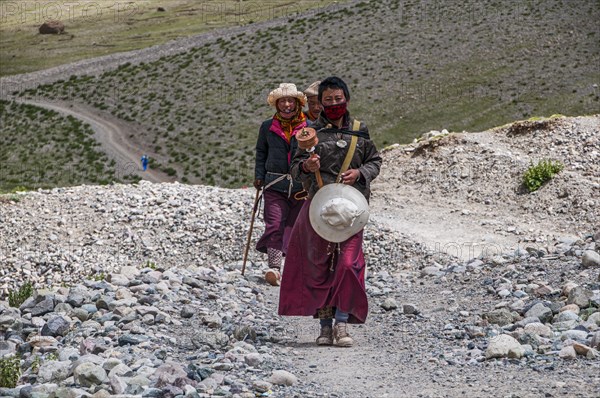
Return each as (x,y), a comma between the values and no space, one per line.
(308,140)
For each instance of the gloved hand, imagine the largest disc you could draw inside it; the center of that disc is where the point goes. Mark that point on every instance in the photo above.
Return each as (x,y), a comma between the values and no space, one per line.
(258,184)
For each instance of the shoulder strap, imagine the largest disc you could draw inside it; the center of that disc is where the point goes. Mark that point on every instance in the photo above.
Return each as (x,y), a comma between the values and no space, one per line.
(356,125)
(348,157)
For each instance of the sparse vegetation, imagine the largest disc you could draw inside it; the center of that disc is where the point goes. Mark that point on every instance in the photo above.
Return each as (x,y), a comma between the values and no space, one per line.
(16,298)
(10,371)
(41,149)
(200,109)
(540,173)
(98,276)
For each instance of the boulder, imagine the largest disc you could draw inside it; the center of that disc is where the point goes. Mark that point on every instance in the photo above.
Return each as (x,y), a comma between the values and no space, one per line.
(590,259)
(504,346)
(52,27)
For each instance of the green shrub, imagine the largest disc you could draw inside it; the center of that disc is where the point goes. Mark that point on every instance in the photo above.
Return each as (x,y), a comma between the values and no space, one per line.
(542,172)
(10,371)
(15,299)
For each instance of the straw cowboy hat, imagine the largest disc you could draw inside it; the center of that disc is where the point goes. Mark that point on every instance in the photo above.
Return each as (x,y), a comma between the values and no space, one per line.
(313,89)
(286,90)
(338,211)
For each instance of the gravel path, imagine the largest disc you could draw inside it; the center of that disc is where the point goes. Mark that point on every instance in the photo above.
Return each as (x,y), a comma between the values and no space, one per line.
(148,284)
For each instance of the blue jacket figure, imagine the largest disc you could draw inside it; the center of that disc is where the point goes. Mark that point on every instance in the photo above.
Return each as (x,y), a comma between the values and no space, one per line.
(144,162)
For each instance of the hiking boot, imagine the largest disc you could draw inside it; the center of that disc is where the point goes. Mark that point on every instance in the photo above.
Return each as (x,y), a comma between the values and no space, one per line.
(326,336)
(342,338)
(273,277)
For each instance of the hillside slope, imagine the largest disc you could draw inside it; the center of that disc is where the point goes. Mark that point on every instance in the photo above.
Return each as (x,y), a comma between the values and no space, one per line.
(411,66)
(146,282)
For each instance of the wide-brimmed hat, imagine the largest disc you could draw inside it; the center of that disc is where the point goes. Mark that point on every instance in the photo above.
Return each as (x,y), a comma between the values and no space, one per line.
(286,90)
(338,211)
(313,89)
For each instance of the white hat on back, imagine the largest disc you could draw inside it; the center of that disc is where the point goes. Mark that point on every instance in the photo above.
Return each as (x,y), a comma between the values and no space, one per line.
(338,211)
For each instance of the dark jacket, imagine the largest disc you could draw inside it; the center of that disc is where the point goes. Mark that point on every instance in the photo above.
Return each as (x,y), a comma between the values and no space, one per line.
(273,155)
(366,158)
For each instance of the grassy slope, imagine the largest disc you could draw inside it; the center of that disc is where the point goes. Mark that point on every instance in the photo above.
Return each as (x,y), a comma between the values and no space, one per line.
(64,153)
(411,67)
(100,27)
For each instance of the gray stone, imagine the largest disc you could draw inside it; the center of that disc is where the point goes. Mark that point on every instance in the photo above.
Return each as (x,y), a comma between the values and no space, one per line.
(431,271)
(88,374)
(499,317)
(170,373)
(410,309)
(590,259)
(539,329)
(43,307)
(526,321)
(56,326)
(543,313)
(137,384)
(581,296)
(595,341)
(129,272)
(503,346)
(568,352)
(211,339)
(118,279)
(565,316)
(213,321)
(187,311)
(577,335)
(253,359)
(132,339)
(389,304)
(530,339)
(53,371)
(77,296)
(283,378)
(152,393)
(594,318)
(261,386)
(63,308)
(562,326)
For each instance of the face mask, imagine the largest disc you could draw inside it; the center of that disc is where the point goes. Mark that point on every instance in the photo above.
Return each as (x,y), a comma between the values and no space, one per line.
(335,112)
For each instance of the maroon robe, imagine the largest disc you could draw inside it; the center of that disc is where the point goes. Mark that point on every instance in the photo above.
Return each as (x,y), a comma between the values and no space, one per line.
(308,284)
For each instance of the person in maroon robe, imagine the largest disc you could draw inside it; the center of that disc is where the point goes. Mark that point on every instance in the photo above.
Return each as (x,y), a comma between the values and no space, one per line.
(323,279)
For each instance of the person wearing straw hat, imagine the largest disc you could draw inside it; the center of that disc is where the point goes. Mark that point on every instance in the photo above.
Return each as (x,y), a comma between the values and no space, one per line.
(312,101)
(274,149)
(324,272)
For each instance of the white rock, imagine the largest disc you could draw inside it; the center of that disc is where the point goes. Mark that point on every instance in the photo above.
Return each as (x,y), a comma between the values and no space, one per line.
(283,377)
(504,346)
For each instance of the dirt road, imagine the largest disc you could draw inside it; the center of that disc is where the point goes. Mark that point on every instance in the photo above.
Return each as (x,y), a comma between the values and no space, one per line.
(112,135)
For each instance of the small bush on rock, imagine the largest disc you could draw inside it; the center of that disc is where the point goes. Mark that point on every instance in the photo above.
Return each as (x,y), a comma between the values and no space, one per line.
(15,299)
(542,172)
(10,371)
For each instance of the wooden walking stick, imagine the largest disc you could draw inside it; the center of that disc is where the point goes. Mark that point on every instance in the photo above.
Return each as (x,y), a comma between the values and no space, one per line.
(308,140)
(256,201)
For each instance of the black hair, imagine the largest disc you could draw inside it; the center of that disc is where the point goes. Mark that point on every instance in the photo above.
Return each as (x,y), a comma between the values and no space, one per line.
(333,82)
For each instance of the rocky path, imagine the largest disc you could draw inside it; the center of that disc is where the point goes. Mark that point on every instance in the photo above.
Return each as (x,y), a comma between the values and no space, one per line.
(147,297)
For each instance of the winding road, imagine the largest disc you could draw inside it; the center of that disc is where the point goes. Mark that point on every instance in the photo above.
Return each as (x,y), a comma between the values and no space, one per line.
(112,135)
